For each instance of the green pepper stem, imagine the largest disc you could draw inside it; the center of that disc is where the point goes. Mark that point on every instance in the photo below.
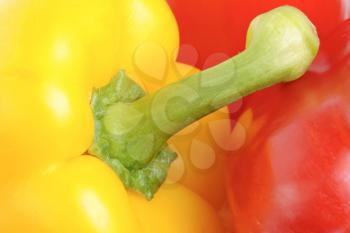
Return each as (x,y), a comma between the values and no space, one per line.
(281,45)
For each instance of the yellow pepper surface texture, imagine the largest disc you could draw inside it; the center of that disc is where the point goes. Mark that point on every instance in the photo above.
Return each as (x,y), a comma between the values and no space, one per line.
(53,54)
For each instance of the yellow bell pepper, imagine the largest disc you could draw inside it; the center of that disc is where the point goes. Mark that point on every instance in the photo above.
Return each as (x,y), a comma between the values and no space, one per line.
(59,58)
(81,195)
(60,38)
(84,195)
(54,53)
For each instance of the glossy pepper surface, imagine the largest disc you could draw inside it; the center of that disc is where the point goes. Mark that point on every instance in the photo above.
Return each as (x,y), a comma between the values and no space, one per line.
(122,140)
(57,69)
(292,173)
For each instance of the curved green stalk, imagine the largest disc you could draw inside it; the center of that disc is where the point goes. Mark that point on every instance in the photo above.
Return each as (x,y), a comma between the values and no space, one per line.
(132,132)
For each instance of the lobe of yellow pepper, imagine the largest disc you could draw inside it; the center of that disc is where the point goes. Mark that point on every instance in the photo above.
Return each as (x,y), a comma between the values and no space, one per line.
(82,195)
(147,29)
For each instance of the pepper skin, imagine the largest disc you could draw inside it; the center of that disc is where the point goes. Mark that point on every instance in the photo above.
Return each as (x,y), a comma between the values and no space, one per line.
(292,173)
(148,30)
(85,195)
(215,30)
(103,36)
(175,209)
(82,195)
(42,122)
(80,48)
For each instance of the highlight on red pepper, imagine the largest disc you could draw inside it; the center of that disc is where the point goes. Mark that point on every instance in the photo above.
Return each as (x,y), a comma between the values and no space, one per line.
(292,175)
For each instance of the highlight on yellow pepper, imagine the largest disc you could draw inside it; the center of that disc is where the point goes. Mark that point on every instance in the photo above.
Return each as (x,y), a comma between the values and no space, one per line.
(149,38)
(88,40)
(81,195)
(175,209)
(43,121)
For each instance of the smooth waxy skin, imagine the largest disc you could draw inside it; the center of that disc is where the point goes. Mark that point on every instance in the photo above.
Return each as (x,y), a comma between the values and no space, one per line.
(148,30)
(54,71)
(97,37)
(48,38)
(42,122)
(82,195)
(292,173)
(175,209)
(46,78)
(202,157)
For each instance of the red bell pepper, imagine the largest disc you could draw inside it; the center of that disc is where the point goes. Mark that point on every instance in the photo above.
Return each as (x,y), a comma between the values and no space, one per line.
(293,174)
(212,31)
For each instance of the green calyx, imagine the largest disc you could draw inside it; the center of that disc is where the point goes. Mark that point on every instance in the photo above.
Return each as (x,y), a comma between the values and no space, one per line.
(132,128)
(112,146)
